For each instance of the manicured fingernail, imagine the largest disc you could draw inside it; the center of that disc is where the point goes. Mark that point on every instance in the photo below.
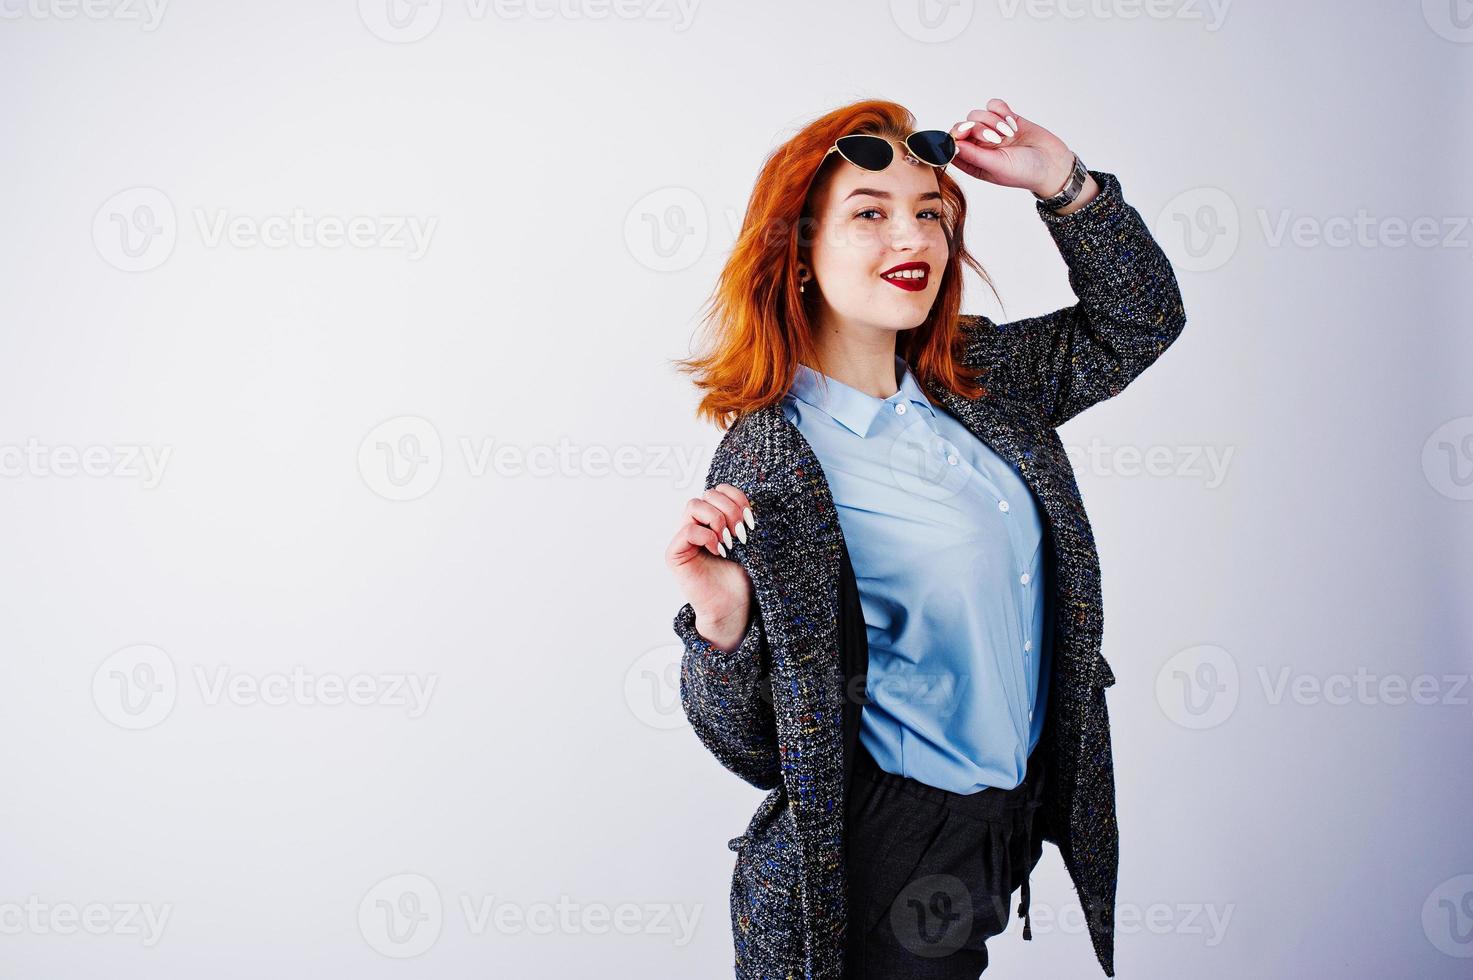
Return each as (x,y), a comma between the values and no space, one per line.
(721,549)
(962,129)
(990,136)
(1003,128)
(726,537)
(747,515)
(741,529)
(1012,122)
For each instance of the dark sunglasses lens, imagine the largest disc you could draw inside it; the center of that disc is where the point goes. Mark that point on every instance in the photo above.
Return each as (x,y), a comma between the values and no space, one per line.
(869,152)
(933,146)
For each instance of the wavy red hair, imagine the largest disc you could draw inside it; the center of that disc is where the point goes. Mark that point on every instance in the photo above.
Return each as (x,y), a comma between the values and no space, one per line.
(763,325)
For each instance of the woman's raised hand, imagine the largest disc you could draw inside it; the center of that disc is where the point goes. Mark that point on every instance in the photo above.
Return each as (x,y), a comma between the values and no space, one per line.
(718,588)
(999,146)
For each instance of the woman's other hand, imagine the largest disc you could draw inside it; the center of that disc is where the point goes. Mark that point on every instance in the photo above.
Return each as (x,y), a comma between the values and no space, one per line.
(718,588)
(999,146)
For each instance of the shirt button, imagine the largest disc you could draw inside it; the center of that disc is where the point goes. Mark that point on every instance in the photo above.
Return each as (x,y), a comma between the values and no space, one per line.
(1024,578)
(900,408)
(1028,645)
(951,459)
(1002,505)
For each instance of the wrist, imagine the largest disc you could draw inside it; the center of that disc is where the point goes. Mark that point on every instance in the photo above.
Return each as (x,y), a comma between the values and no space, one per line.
(1059,171)
(724,631)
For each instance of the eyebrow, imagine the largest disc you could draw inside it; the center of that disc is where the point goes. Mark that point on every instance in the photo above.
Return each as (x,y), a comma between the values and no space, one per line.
(886,195)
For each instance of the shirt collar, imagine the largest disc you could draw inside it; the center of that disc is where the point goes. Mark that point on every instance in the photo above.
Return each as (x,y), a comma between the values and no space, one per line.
(854,409)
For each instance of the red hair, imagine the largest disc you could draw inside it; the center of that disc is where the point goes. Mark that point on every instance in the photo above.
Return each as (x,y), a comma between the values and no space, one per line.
(763,324)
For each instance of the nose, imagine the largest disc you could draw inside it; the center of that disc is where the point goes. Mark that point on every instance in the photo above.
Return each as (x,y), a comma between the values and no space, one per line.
(906,234)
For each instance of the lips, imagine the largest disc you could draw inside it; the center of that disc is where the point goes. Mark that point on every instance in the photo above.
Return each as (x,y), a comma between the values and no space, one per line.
(909,276)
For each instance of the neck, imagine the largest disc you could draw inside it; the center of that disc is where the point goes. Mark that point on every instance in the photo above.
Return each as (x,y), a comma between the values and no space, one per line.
(862,358)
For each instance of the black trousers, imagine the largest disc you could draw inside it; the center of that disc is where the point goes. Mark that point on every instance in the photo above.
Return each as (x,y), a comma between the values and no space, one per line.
(931,873)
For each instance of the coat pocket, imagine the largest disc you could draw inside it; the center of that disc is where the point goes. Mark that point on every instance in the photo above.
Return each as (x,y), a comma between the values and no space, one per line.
(766,901)
(768,810)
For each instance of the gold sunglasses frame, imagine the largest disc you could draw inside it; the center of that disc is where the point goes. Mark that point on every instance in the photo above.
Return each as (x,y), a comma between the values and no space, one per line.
(906,143)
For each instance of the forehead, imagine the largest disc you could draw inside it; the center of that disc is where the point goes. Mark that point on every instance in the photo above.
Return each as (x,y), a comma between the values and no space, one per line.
(902,180)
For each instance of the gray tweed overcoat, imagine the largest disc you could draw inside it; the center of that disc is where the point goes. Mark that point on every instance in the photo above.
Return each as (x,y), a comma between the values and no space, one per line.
(782,710)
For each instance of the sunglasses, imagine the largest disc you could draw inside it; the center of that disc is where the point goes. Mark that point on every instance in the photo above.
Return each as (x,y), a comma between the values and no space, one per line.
(930,146)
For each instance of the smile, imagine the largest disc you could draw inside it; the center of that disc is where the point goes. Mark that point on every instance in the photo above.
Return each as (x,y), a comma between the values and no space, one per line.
(910,276)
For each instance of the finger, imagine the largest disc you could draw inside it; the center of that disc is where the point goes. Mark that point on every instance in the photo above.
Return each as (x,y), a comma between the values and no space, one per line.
(708,513)
(695,537)
(1004,113)
(976,159)
(997,116)
(726,501)
(985,129)
(748,512)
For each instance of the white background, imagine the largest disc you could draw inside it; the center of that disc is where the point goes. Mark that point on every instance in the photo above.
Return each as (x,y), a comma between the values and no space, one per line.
(581,173)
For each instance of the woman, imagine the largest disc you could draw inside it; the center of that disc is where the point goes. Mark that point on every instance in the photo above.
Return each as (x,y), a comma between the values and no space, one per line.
(893,620)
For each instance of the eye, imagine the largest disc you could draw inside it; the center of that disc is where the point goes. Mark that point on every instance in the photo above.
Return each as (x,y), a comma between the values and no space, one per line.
(935,215)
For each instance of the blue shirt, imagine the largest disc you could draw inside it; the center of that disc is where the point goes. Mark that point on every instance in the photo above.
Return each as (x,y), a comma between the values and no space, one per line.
(946,541)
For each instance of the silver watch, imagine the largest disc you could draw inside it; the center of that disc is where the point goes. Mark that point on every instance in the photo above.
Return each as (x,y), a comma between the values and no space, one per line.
(1071,190)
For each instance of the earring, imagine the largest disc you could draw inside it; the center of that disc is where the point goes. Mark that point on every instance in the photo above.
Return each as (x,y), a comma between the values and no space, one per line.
(802,279)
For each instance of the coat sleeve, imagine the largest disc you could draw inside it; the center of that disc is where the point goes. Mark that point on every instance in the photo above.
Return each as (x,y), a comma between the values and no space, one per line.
(727,697)
(1129,310)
